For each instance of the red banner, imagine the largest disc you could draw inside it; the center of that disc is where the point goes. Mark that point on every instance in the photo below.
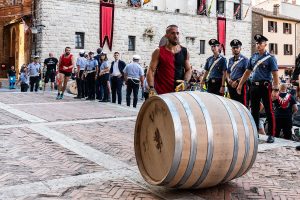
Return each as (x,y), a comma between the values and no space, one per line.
(222,32)
(106,24)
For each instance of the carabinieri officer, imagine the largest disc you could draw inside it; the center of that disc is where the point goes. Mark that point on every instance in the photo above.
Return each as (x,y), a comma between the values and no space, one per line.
(237,65)
(263,65)
(215,70)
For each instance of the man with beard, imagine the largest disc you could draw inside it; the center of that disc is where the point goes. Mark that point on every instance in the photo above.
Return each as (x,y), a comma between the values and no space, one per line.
(263,66)
(169,65)
(66,64)
(236,67)
(50,64)
(215,70)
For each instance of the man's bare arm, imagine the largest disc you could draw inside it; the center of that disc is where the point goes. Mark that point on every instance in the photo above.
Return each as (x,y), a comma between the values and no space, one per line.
(152,68)
(188,68)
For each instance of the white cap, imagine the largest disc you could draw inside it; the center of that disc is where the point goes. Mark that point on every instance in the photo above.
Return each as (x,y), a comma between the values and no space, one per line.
(136,57)
(81,52)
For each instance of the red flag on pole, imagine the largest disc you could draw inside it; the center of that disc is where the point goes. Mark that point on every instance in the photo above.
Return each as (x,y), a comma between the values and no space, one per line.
(222,32)
(106,24)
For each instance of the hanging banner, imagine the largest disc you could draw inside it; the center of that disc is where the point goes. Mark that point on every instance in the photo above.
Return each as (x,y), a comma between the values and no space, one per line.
(222,32)
(106,24)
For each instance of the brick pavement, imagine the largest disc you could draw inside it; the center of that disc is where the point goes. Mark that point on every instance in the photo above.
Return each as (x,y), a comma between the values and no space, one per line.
(53,170)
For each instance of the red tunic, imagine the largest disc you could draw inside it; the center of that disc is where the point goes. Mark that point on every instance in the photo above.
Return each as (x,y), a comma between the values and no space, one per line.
(171,67)
(66,61)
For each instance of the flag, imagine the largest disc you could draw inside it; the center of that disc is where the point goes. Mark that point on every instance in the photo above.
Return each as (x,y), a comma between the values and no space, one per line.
(209,8)
(248,10)
(237,10)
(26,27)
(146,1)
(201,8)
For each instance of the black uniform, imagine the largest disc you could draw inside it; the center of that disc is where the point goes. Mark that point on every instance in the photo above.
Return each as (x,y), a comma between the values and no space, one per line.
(216,68)
(262,67)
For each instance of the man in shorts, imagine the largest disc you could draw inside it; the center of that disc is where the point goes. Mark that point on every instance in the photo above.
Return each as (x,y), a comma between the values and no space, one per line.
(65,66)
(50,65)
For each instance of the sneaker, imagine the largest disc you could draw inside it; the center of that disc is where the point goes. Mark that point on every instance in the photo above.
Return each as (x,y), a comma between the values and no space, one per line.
(61,96)
(77,97)
(58,97)
(270,139)
(298,148)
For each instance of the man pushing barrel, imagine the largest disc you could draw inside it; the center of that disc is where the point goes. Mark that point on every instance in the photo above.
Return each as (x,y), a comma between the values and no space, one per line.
(170,65)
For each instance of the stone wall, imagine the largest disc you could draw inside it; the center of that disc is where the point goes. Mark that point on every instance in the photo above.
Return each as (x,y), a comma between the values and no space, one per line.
(68,17)
(257,28)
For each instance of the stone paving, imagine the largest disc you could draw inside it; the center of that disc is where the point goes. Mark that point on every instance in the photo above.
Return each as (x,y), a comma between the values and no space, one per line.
(74,149)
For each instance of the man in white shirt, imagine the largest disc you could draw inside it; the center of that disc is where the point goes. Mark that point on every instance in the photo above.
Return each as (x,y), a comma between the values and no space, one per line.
(34,70)
(117,77)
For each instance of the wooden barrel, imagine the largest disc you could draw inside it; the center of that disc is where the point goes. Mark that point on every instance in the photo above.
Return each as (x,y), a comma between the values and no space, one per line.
(72,87)
(194,140)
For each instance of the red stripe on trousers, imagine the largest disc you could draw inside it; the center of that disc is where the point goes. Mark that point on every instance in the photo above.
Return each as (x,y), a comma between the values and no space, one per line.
(245,95)
(271,110)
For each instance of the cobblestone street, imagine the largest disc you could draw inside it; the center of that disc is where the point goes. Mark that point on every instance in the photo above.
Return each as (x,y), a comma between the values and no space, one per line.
(75,149)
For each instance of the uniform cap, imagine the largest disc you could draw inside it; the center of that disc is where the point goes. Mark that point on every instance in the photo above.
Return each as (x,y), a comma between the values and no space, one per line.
(36,57)
(260,38)
(213,42)
(235,43)
(136,57)
(81,52)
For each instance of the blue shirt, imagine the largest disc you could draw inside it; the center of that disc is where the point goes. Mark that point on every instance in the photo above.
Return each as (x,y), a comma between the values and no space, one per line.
(264,71)
(91,65)
(134,70)
(219,68)
(24,78)
(104,65)
(239,68)
(81,62)
(33,69)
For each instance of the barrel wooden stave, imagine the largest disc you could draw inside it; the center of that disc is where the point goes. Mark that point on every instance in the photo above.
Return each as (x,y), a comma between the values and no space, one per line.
(225,164)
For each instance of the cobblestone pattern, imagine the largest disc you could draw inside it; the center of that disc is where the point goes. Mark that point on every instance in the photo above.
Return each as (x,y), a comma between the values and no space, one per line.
(113,138)
(275,175)
(8,118)
(78,111)
(30,97)
(28,157)
(120,189)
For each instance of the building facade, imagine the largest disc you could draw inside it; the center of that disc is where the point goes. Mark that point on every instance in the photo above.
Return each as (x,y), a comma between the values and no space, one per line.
(16,40)
(289,8)
(138,29)
(281,33)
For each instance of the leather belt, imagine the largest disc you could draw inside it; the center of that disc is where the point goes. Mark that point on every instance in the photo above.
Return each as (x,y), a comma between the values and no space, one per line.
(261,83)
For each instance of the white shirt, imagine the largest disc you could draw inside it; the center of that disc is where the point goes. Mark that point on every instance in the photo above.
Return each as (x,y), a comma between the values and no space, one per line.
(116,71)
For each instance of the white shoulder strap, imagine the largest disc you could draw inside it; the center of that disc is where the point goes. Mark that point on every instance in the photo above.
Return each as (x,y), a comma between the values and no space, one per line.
(235,64)
(260,61)
(213,66)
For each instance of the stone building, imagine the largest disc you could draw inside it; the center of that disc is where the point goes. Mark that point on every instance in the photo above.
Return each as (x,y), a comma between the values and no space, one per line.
(138,29)
(15,39)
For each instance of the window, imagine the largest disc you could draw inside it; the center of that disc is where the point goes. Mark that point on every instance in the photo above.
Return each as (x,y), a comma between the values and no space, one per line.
(220,7)
(272,26)
(201,7)
(287,28)
(273,48)
(288,49)
(79,40)
(237,10)
(177,10)
(134,3)
(202,46)
(131,43)
(155,8)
